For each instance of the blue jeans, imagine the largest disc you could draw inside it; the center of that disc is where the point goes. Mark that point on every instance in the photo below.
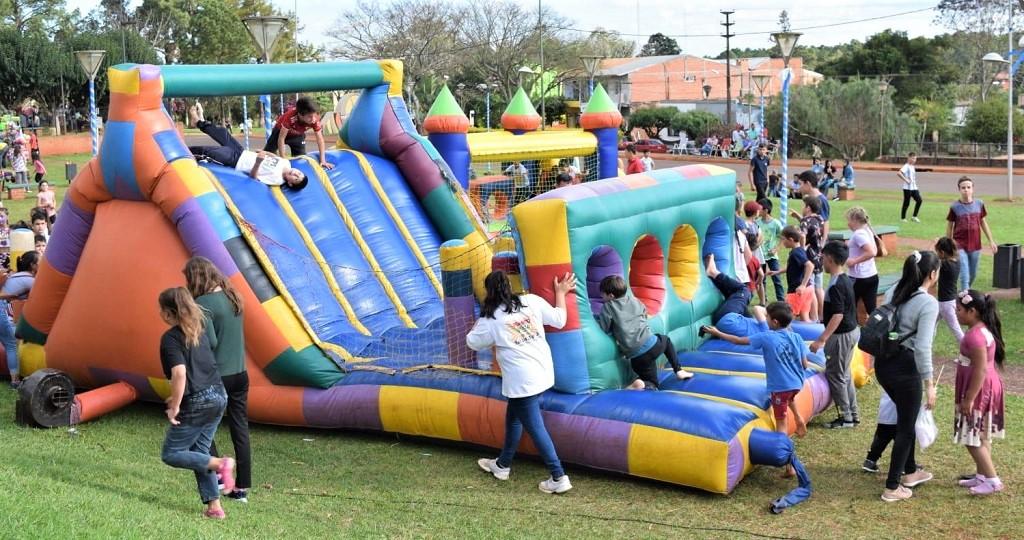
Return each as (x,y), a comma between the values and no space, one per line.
(968,268)
(827,184)
(525,412)
(780,293)
(736,294)
(187,445)
(7,338)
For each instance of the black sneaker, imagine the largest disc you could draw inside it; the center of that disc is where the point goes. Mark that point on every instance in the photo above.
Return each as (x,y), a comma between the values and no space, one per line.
(840,423)
(869,466)
(239,495)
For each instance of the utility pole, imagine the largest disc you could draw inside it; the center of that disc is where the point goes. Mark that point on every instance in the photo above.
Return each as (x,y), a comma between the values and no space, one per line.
(540,76)
(728,67)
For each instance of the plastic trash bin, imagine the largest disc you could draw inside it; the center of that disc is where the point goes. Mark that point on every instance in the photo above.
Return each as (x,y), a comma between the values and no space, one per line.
(1004,269)
(70,171)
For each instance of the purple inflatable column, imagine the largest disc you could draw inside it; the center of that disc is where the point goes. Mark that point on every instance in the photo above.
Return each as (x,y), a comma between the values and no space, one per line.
(459,303)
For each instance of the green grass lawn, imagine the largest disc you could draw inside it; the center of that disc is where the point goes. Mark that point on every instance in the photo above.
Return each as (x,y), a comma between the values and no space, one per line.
(107,481)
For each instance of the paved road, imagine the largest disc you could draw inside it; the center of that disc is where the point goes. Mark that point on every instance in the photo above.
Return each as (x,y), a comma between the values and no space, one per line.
(987,185)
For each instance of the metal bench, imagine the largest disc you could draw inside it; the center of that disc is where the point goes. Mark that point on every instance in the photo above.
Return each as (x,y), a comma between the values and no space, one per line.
(888,233)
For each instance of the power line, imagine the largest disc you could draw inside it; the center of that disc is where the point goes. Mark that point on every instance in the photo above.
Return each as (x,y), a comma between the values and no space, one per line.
(768,32)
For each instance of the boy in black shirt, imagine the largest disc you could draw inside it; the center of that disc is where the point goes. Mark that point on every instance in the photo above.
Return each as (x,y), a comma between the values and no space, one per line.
(840,336)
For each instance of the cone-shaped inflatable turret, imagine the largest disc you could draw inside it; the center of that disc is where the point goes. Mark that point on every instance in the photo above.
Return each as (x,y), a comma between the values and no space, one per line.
(601,111)
(445,115)
(520,115)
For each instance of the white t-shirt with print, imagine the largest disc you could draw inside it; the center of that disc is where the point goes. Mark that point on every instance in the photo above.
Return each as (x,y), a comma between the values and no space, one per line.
(910,173)
(271,171)
(648,163)
(522,351)
(739,263)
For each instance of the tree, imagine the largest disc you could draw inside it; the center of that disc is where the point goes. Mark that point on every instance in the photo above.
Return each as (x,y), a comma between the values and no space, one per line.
(28,16)
(930,113)
(784,23)
(607,43)
(421,33)
(986,120)
(659,45)
(215,35)
(652,119)
(696,123)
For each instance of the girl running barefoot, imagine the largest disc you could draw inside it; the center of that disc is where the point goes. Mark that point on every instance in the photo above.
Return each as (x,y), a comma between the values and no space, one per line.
(979,389)
(514,324)
(197,399)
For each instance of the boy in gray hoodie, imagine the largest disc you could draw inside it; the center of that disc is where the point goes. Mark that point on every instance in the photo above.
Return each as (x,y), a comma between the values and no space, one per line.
(625,318)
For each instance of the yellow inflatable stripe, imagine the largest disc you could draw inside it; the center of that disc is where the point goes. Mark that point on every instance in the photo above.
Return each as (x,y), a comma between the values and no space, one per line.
(420,411)
(658,453)
(31,358)
(123,82)
(725,372)
(271,272)
(371,177)
(761,413)
(188,170)
(544,230)
(350,224)
(162,387)
(287,324)
(325,268)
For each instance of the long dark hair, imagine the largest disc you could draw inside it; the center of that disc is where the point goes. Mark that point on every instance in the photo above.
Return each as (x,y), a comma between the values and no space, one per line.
(203,277)
(499,293)
(184,312)
(918,266)
(985,306)
(946,248)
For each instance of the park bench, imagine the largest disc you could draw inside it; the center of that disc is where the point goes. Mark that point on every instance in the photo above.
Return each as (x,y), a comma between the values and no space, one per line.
(888,233)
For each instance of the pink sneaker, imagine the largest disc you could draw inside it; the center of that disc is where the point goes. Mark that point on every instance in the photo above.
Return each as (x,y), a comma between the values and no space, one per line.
(215,514)
(227,474)
(987,487)
(972,482)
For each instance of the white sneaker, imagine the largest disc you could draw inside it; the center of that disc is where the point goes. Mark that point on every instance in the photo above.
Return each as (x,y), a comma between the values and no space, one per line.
(491,466)
(552,486)
(682,375)
(915,220)
(904,220)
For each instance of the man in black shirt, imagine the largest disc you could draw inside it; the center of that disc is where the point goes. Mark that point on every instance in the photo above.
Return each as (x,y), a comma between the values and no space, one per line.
(840,336)
(758,173)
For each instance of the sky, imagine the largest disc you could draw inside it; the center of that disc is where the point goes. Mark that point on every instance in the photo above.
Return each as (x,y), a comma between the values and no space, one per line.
(697,20)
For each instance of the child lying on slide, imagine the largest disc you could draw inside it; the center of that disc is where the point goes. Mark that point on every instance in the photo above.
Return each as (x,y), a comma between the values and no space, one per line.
(268,168)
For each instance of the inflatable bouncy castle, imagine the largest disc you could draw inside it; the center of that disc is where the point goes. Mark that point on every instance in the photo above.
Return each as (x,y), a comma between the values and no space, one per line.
(360,288)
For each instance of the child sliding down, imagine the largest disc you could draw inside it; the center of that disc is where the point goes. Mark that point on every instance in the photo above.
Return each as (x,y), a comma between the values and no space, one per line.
(625,318)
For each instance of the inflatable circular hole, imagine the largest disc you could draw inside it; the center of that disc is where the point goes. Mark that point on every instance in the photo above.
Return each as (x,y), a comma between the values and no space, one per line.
(603,261)
(647,273)
(684,262)
(718,242)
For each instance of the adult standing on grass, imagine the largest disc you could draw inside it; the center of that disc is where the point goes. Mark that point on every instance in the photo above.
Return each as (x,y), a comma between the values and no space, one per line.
(757,174)
(861,264)
(964,224)
(197,399)
(901,375)
(908,174)
(223,307)
(514,324)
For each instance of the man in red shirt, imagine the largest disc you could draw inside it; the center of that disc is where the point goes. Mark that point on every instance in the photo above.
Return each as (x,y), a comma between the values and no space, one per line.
(634,164)
(290,130)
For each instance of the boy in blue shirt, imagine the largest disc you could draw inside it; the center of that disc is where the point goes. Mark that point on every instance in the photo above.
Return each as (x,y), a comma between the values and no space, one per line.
(785,357)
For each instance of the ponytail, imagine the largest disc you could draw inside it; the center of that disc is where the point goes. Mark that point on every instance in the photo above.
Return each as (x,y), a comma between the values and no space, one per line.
(985,306)
(499,293)
(178,304)
(916,269)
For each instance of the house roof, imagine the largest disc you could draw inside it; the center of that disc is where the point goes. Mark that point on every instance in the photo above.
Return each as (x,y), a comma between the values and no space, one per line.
(617,67)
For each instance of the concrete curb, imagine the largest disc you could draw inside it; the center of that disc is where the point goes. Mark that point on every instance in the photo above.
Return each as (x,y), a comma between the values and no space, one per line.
(801,164)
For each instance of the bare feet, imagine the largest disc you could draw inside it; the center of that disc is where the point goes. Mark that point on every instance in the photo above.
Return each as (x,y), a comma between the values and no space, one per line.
(636,385)
(682,375)
(801,429)
(710,267)
(199,109)
(789,472)
(195,116)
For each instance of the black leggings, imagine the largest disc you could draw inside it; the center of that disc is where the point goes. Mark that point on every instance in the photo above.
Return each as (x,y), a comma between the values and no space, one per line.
(297,143)
(646,365)
(237,387)
(899,378)
(866,291)
(907,195)
(227,151)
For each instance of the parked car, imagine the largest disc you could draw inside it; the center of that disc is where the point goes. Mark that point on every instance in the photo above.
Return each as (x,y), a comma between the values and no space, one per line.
(654,145)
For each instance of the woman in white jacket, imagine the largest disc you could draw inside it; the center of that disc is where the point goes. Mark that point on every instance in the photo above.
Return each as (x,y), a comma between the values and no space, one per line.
(514,325)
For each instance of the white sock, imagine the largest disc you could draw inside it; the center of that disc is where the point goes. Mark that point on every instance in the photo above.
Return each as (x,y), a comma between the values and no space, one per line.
(995,481)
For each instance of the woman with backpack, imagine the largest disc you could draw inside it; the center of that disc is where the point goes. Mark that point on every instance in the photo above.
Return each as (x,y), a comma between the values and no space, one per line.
(906,366)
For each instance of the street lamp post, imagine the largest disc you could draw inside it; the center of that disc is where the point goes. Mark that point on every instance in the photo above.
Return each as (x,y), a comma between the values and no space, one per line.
(590,63)
(486,89)
(787,42)
(524,71)
(996,61)
(761,82)
(883,87)
(90,62)
(264,32)
(459,89)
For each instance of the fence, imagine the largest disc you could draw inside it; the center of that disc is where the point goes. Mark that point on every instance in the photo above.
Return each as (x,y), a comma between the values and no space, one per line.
(981,154)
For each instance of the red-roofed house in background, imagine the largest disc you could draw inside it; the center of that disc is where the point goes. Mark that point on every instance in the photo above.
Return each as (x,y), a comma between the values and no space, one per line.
(679,81)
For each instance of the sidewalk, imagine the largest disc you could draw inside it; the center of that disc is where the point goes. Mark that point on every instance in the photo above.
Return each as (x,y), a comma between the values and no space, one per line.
(800,164)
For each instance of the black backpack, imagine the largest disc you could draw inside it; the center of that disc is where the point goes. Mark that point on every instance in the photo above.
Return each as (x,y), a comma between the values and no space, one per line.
(880,336)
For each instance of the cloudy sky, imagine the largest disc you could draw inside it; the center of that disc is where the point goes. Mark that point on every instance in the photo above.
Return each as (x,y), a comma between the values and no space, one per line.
(694,24)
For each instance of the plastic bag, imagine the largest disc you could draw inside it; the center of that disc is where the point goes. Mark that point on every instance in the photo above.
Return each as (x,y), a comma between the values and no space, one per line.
(926,429)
